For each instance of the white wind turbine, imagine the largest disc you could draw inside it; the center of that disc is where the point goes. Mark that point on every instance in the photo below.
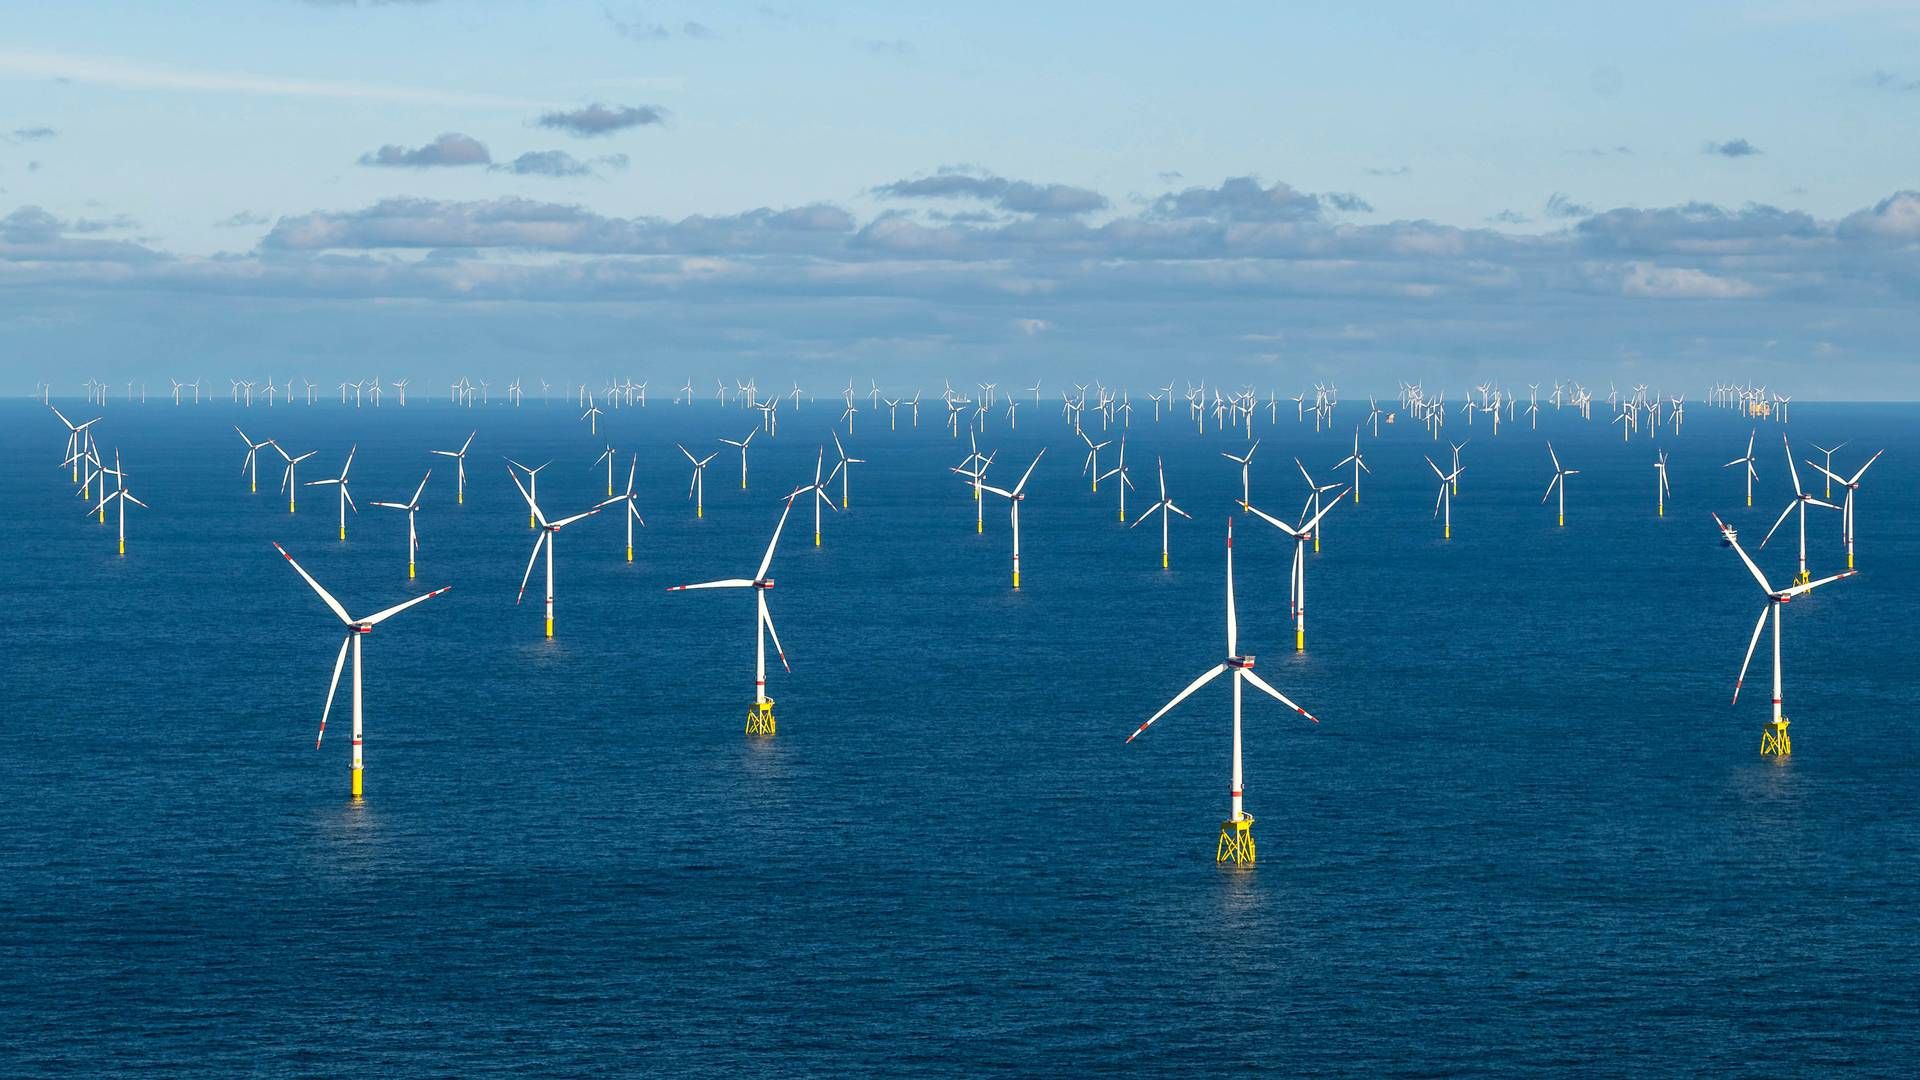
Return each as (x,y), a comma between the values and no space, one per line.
(1445,498)
(697,487)
(346,497)
(606,456)
(533,488)
(1828,469)
(1801,500)
(742,444)
(1014,499)
(119,494)
(842,468)
(1747,460)
(1092,465)
(1662,490)
(1846,505)
(1559,481)
(818,489)
(1774,741)
(1236,833)
(1166,509)
(356,629)
(412,507)
(460,465)
(1245,462)
(1358,462)
(545,539)
(1312,506)
(1297,587)
(760,715)
(633,504)
(250,466)
(287,481)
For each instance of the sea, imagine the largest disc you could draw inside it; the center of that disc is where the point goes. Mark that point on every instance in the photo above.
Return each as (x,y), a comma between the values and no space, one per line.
(1529,833)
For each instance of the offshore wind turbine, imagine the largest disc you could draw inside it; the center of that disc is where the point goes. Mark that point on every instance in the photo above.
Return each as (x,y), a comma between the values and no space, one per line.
(1297,589)
(843,468)
(356,629)
(1245,461)
(287,482)
(697,487)
(1846,505)
(1747,460)
(1093,458)
(1445,498)
(1661,490)
(412,507)
(606,456)
(545,539)
(633,504)
(743,444)
(1801,500)
(819,491)
(119,494)
(760,719)
(460,465)
(250,466)
(1014,499)
(1315,490)
(346,497)
(1126,477)
(1828,470)
(533,488)
(1166,509)
(1236,833)
(1358,462)
(1774,741)
(1559,481)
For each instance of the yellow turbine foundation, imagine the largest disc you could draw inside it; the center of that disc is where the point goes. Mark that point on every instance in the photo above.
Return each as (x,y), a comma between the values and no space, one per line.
(1802,577)
(123,545)
(549,626)
(1563,521)
(1236,842)
(461,498)
(356,782)
(760,718)
(816,539)
(409,569)
(1299,641)
(343,532)
(1447,534)
(1774,742)
(1163,560)
(629,553)
(1849,560)
(699,511)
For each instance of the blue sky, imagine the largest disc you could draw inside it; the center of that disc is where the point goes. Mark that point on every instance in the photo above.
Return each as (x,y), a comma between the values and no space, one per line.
(1254,192)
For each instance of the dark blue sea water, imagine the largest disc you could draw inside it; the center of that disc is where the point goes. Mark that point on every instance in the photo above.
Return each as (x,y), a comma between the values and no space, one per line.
(1529,834)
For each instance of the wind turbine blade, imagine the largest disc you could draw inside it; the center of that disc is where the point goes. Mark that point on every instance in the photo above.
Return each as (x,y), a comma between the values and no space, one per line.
(381,616)
(423,486)
(1036,461)
(1275,694)
(1812,585)
(767,618)
(531,559)
(566,521)
(1778,521)
(324,594)
(333,688)
(1324,508)
(1149,512)
(1179,511)
(1758,627)
(1271,520)
(1751,568)
(531,505)
(727,583)
(767,559)
(1864,468)
(1212,674)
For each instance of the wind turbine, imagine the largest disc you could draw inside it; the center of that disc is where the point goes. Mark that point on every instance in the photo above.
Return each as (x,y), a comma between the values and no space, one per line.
(1093,459)
(1014,499)
(633,504)
(843,468)
(697,487)
(346,498)
(760,714)
(1775,741)
(287,483)
(1358,462)
(1801,500)
(1236,833)
(1166,508)
(412,507)
(1559,481)
(119,494)
(1314,491)
(1662,491)
(1126,477)
(742,444)
(251,466)
(1752,474)
(1445,498)
(1297,588)
(607,457)
(545,539)
(460,465)
(1246,463)
(592,417)
(356,629)
(533,488)
(1828,469)
(1846,504)
(819,490)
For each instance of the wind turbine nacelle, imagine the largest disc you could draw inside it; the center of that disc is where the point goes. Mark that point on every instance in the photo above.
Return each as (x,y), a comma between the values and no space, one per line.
(362,628)
(766,583)
(1240,661)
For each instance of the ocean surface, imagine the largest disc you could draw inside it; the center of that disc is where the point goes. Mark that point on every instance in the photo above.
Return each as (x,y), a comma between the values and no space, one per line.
(1530,833)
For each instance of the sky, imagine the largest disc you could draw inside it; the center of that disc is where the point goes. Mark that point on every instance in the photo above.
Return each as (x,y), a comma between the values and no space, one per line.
(1257,194)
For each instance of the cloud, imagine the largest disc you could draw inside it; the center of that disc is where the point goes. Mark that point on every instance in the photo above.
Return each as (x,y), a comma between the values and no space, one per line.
(1681,283)
(1732,148)
(1887,80)
(1402,170)
(33,134)
(450,149)
(31,235)
(1895,218)
(243,219)
(1560,206)
(1015,196)
(559,163)
(1241,198)
(899,48)
(1509,217)
(1031,327)
(597,119)
(637,27)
